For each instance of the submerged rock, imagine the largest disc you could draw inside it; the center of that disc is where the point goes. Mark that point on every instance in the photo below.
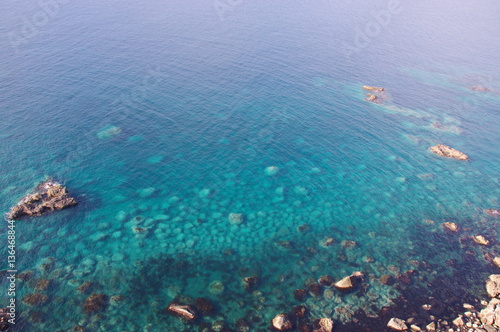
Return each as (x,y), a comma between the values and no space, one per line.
(282,322)
(216,287)
(250,283)
(95,303)
(397,324)
(446,151)
(271,170)
(186,312)
(34,299)
(326,281)
(235,218)
(46,197)
(493,212)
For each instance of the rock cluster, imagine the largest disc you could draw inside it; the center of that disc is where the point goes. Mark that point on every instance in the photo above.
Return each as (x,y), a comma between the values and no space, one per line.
(376,96)
(282,322)
(446,151)
(95,303)
(47,196)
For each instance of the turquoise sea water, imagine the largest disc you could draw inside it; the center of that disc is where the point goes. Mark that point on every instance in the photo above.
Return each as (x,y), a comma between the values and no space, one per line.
(165,116)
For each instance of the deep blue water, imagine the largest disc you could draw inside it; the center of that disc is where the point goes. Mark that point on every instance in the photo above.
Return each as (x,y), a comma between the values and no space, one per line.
(200,99)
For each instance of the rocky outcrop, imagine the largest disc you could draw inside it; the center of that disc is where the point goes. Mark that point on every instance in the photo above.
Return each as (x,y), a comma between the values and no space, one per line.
(282,322)
(493,285)
(185,312)
(446,151)
(491,314)
(377,94)
(47,196)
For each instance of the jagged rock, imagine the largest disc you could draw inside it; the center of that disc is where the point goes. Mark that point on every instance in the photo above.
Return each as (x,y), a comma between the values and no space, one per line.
(282,322)
(345,283)
(446,151)
(479,239)
(431,326)
(47,196)
(458,321)
(186,312)
(493,212)
(323,325)
(397,324)
(95,303)
(493,285)
(450,227)
(496,261)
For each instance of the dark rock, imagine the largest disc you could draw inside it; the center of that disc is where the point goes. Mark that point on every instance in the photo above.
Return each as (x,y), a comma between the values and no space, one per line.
(85,287)
(47,196)
(25,276)
(300,295)
(204,306)
(315,289)
(299,311)
(185,312)
(242,325)
(250,283)
(326,281)
(95,303)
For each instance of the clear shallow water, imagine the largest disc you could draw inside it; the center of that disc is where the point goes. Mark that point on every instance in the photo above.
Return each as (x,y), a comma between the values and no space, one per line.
(203,106)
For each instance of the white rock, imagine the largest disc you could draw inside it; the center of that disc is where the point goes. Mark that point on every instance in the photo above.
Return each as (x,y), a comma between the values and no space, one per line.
(397,324)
